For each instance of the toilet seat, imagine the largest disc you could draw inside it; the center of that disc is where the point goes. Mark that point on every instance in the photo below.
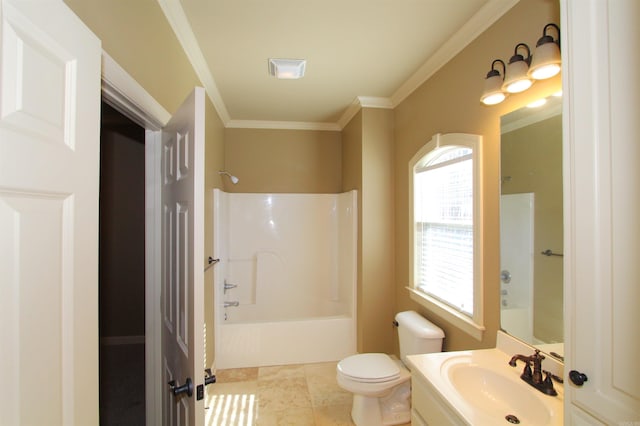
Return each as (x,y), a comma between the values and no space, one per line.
(369,368)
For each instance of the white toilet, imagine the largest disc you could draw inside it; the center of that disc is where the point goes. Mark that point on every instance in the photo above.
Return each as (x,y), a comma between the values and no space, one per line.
(381,385)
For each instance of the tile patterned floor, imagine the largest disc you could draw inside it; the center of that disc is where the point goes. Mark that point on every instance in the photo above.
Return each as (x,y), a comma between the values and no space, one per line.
(290,395)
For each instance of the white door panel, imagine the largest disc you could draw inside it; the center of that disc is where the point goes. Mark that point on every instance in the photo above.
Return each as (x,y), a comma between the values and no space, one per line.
(183,260)
(49,170)
(602,187)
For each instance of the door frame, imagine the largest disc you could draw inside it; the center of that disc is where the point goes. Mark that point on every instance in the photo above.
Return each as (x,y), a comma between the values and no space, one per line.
(126,95)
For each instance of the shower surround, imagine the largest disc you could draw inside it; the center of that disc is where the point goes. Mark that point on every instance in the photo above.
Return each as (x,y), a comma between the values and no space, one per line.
(289,261)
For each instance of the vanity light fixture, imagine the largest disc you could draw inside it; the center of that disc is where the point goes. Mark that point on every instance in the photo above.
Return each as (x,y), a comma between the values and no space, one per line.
(546,58)
(516,79)
(493,93)
(287,69)
(523,69)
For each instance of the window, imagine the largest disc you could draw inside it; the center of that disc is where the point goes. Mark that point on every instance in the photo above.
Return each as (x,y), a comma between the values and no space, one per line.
(445,264)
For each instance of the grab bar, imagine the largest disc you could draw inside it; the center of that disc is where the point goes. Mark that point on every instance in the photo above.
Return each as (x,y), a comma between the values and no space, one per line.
(211,262)
(229,304)
(548,252)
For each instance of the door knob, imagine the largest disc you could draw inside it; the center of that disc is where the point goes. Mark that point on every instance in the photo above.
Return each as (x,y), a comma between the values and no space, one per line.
(577,378)
(505,276)
(186,388)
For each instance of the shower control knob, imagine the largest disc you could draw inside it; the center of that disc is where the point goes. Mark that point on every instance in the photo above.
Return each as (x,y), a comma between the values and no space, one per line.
(577,378)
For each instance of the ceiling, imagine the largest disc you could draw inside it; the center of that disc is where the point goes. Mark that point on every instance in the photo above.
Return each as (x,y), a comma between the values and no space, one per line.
(370,53)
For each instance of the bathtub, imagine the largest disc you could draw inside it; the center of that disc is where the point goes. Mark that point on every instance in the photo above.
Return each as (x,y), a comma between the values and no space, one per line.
(285,284)
(285,342)
(518,322)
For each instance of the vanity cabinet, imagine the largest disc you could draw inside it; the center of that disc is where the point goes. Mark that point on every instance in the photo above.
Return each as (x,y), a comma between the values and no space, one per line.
(427,407)
(602,201)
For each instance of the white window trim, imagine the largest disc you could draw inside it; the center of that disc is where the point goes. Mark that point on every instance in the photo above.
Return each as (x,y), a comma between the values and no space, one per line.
(474,326)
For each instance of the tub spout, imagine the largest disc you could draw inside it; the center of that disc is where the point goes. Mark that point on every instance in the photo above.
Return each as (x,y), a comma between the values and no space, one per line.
(228,304)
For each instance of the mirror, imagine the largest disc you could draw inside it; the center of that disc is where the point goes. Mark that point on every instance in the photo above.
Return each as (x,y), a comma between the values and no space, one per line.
(531,227)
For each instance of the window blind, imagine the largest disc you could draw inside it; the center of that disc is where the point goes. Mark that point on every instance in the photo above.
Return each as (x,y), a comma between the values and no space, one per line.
(444,229)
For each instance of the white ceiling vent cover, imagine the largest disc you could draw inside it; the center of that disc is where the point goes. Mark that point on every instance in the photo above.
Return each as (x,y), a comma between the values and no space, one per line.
(287,69)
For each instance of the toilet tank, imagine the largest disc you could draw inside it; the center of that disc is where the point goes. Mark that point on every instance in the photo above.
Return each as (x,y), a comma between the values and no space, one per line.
(417,335)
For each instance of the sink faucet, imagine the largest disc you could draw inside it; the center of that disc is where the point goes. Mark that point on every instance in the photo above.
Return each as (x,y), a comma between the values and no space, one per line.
(534,378)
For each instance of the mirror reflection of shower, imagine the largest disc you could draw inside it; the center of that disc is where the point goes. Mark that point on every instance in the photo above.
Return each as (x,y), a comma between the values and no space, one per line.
(234,179)
(531,163)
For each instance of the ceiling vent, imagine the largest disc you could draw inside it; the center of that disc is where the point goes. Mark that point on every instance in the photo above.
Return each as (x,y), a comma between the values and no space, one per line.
(288,69)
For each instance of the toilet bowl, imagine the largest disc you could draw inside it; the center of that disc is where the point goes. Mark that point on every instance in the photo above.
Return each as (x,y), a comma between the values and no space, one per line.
(380,384)
(380,387)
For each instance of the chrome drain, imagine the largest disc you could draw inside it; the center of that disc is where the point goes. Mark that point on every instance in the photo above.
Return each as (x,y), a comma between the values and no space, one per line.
(512,419)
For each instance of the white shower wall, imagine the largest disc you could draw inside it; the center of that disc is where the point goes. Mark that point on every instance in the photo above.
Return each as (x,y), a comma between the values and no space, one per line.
(516,257)
(292,261)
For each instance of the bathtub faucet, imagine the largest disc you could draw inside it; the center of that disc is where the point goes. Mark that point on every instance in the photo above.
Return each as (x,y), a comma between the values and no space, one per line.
(228,304)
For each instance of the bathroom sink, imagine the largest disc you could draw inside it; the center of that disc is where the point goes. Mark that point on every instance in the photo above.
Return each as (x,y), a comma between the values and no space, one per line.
(497,394)
(479,387)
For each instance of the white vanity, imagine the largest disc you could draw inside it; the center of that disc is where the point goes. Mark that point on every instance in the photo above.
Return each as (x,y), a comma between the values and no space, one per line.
(479,387)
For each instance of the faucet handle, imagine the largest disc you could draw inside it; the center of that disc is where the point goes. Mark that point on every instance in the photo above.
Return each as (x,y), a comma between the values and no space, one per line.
(550,375)
(547,379)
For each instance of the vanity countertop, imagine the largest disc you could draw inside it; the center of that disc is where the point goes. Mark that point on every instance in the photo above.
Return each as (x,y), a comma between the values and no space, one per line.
(479,387)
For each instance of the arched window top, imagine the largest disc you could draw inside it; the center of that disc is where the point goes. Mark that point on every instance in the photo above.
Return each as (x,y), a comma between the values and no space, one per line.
(443,155)
(446,229)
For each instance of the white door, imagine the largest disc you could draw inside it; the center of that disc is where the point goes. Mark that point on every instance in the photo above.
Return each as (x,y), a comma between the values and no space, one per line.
(602,200)
(49,171)
(182,304)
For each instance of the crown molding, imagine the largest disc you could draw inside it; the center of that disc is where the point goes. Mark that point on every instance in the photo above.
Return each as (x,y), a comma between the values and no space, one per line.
(375,102)
(479,22)
(176,17)
(349,113)
(362,102)
(283,125)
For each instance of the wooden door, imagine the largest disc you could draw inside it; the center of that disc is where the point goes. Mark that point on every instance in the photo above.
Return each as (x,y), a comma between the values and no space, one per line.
(49,186)
(182,304)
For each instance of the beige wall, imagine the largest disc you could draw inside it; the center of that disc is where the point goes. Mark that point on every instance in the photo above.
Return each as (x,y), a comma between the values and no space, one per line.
(378,295)
(367,152)
(294,161)
(449,102)
(532,158)
(352,179)
(139,38)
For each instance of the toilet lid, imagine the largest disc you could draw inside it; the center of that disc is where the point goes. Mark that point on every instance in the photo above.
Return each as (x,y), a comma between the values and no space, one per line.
(369,368)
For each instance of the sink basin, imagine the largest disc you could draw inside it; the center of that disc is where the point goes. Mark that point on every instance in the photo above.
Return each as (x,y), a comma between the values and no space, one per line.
(495,393)
(480,388)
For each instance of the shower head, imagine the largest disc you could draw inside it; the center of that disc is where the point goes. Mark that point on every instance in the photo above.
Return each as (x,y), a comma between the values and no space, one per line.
(234,179)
